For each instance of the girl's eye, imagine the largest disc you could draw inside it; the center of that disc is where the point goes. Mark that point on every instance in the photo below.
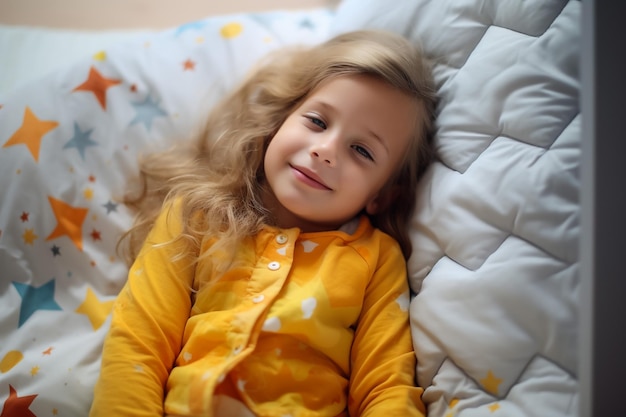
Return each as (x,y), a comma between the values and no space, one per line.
(363,152)
(317,122)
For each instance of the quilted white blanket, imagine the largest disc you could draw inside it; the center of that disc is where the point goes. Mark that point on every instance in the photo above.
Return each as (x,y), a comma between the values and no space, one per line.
(495,262)
(496,234)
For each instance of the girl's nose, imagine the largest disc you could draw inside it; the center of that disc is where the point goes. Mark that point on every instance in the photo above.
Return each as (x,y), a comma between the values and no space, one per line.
(325,151)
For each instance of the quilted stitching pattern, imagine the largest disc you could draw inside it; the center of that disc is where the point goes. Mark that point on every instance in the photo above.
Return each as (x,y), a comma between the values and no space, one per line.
(496,231)
(495,319)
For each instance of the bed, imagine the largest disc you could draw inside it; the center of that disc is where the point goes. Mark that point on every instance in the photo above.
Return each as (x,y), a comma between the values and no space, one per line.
(495,267)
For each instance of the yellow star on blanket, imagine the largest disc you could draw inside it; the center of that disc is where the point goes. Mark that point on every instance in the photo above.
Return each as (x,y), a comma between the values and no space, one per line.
(96,310)
(31,132)
(491,383)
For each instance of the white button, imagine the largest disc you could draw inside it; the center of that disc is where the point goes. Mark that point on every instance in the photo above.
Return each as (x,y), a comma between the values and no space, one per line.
(282,239)
(273,265)
(258,298)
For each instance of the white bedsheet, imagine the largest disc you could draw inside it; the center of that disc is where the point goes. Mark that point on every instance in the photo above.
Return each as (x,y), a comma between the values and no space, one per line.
(29,53)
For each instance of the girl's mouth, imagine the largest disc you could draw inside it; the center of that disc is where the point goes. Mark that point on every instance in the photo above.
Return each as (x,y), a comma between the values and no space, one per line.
(309,178)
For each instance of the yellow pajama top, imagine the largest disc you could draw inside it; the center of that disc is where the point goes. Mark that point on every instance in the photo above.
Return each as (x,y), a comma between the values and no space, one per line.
(301,324)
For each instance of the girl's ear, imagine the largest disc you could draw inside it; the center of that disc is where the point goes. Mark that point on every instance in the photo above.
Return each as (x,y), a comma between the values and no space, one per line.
(382,200)
(371,208)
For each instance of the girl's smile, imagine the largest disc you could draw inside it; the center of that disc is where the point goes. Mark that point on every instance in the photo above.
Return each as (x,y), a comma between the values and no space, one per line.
(310,178)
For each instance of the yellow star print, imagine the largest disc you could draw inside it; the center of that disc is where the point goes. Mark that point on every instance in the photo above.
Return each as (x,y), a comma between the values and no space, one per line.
(29,236)
(96,310)
(231,30)
(491,383)
(31,132)
(100,56)
(12,358)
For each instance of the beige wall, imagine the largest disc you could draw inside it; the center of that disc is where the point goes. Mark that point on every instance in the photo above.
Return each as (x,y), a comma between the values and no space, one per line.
(126,14)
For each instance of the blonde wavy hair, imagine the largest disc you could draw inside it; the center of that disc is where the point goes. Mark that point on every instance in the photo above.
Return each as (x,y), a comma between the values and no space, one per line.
(218,176)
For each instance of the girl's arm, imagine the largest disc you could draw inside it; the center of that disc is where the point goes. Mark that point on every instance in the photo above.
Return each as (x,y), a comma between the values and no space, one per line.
(147,327)
(382,380)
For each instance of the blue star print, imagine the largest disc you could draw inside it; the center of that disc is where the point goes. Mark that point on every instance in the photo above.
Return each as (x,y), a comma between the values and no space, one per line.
(189,26)
(110,206)
(306,23)
(80,140)
(146,112)
(33,299)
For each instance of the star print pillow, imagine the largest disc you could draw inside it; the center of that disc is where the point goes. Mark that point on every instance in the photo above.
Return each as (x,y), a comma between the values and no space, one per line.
(69,143)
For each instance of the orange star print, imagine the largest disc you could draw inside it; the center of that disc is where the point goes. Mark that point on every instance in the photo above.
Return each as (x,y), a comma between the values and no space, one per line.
(17,406)
(31,132)
(98,85)
(69,221)
(189,65)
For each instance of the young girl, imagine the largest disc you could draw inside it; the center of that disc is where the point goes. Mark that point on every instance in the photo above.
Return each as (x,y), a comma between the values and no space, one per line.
(270,279)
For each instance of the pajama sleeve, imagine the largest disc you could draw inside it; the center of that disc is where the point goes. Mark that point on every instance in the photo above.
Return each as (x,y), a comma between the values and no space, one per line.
(147,327)
(382,380)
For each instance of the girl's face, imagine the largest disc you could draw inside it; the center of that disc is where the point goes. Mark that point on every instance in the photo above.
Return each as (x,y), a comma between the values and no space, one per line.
(332,156)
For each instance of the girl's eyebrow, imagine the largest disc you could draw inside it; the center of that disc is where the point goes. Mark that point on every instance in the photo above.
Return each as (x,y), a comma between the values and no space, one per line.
(378,138)
(333,109)
(322,103)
